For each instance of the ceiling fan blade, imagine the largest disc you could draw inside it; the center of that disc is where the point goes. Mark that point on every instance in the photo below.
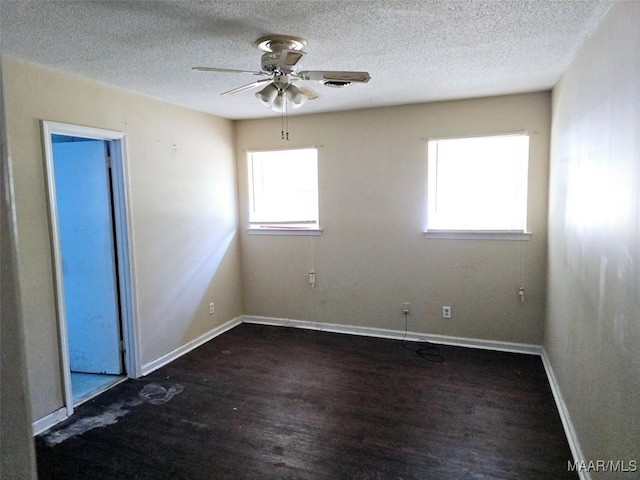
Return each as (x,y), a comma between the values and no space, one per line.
(307,92)
(335,76)
(247,87)
(288,59)
(226,70)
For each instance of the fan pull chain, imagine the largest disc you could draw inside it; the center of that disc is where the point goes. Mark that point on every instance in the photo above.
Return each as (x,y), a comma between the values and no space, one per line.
(284,118)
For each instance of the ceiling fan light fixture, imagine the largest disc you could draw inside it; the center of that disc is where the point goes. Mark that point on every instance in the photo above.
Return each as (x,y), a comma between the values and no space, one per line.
(295,97)
(274,98)
(279,62)
(267,95)
(278,102)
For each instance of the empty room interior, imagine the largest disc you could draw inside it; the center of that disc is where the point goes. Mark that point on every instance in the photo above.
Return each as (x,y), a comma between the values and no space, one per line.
(401,237)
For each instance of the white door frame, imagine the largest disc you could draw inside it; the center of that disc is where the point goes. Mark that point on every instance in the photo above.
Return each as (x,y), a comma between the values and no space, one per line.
(124,245)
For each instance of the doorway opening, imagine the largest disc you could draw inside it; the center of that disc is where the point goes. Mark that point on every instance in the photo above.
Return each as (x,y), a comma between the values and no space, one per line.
(86,179)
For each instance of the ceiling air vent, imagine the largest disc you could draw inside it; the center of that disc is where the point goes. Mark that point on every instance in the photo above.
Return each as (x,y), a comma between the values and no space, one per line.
(336,84)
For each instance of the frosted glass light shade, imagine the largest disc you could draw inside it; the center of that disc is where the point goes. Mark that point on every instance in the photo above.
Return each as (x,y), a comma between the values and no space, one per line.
(274,98)
(278,102)
(295,96)
(267,95)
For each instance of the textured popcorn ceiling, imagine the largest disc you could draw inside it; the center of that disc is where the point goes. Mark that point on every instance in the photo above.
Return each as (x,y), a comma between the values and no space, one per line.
(415,51)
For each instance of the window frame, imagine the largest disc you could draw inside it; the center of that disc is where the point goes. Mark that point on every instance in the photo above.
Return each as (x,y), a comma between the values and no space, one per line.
(284,227)
(476,233)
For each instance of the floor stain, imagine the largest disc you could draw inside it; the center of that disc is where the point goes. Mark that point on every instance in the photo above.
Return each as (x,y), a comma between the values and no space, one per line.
(152,393)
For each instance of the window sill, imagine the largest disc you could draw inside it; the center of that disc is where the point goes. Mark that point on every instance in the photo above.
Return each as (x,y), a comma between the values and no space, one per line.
(477,235)
(286,231)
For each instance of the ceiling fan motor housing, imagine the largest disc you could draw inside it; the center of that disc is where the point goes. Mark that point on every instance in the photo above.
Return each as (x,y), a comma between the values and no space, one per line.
(281,53)
(269,62)
(283,61)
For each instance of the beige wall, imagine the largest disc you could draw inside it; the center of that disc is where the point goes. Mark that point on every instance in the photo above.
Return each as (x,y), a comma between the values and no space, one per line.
(17,453)
(183,206)
(593,329)
(372,255)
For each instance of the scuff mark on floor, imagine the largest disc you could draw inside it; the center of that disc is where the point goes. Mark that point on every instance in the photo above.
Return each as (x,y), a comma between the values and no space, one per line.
(199,425)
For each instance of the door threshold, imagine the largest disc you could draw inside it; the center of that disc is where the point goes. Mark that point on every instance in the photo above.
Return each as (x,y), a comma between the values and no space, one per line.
(87,385)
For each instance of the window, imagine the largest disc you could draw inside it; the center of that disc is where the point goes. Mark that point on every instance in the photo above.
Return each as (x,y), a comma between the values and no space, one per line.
(478,184)
(283,190)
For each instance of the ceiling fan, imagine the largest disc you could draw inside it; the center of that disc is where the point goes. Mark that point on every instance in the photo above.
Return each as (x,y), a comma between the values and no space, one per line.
(279,64)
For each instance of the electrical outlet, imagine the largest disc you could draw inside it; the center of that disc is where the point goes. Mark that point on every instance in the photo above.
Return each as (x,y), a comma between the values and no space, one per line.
(446,311)
(405,308)
(211,308)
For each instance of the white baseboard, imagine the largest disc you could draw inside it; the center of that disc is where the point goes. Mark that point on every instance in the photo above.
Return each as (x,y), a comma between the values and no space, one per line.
(147,368)
(398,335)
(45,423)
(567,424)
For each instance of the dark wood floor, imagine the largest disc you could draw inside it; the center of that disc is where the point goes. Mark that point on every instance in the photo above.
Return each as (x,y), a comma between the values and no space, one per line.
(264,402)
